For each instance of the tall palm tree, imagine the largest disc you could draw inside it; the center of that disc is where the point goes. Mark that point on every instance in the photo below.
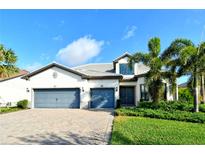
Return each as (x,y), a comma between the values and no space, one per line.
(155,76)
(185,58)
(7,62)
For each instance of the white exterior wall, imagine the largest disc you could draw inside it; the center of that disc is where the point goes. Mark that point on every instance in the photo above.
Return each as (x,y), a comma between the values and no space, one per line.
(67,79)
(12,91)
(15,89)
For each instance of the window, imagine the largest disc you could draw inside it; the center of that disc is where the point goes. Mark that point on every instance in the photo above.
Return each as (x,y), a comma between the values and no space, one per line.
(144,93)
(126,70)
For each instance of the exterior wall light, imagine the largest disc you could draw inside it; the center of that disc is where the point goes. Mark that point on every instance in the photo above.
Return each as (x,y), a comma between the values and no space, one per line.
(116,88)
(82,89)
(27,90)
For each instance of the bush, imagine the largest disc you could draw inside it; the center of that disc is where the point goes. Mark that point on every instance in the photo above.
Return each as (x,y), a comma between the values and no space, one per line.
(202,107)
(22,104)
(185,95)
(168,105)
(171,106)
(161,114)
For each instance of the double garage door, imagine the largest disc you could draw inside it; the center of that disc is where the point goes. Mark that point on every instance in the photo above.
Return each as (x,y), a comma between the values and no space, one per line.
(57,98)
(70,98)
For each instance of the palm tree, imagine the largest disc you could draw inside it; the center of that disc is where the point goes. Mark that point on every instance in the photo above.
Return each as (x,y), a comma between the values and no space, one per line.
(7,62)
(155,76)
(184,58)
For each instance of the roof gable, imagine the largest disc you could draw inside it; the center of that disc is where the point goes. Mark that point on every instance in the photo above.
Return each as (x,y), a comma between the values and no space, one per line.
(126,54)
(50,66)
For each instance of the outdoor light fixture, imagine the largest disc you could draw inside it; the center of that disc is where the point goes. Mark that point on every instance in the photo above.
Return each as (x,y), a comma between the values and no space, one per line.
(82,89)
(116,88)
(27,90)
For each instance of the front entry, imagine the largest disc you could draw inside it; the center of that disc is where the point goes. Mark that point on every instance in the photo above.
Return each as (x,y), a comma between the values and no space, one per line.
(127,95)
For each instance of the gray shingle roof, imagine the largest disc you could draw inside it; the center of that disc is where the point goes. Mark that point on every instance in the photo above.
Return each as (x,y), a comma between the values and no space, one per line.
(106,69)
(103,69)
(142,69)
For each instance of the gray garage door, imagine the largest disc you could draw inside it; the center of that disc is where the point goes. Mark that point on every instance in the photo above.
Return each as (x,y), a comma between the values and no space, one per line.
(102,98)
(57,98)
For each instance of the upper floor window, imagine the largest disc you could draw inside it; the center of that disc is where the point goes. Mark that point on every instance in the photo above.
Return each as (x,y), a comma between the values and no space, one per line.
(126,70)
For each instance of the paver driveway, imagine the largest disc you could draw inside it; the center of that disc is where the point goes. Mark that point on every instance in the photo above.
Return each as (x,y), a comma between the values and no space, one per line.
(56,126)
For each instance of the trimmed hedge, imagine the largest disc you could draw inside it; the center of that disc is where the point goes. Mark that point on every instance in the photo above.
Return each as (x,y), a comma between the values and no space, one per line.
(22,104)
(171,106)
(161,114)
(202,107)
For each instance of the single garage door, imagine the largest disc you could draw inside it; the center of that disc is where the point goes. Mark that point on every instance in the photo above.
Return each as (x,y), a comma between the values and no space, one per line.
(57,98)
(102,98)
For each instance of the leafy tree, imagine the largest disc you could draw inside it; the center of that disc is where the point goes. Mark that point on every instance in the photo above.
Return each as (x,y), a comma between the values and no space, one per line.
(185,95)
(7,62)
(185,58)
(155,76)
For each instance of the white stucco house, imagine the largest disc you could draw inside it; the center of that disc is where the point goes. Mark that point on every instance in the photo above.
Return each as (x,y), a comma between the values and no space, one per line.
(86,86)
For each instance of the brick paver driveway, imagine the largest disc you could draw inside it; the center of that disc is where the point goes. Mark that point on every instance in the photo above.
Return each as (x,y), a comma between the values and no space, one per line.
(56,126)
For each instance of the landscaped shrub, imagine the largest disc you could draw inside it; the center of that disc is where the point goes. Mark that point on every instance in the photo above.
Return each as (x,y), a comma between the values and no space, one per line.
(185,95)
(22,104)
(168,105)
(202,107)
(171,106)
(162,114)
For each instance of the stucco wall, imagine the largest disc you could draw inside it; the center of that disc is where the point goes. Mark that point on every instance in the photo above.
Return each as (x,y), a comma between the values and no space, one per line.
(12,90)
(66,79)
(17,89)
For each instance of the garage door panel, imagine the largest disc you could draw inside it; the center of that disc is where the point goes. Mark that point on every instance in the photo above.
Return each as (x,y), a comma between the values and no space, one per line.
(57,98)
(102,98)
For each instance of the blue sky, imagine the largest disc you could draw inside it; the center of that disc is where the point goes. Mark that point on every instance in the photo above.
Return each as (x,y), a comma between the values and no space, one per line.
(72,37)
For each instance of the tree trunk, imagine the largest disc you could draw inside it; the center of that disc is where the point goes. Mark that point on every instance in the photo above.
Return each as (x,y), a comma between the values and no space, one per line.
(202,88)
(196,98)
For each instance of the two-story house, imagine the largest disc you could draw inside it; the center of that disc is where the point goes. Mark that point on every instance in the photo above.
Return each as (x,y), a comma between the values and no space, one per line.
(86,86)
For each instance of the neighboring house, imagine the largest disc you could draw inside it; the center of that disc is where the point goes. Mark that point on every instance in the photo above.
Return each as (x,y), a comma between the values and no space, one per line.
(85,86)
(183,85)
(12,89)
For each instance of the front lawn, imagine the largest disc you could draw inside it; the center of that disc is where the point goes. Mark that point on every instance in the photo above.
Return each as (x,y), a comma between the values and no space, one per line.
(9,109)
(146,131)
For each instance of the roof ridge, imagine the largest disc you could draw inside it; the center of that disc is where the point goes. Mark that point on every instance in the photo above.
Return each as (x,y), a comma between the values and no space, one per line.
(90,64)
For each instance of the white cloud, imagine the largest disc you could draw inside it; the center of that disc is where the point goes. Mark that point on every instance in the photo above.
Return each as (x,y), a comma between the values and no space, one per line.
(34,66)
(80,51)
(58,38)
(130,32)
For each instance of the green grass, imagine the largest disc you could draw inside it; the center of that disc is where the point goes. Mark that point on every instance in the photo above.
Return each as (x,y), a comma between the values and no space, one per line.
(146,131)
(9,109)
